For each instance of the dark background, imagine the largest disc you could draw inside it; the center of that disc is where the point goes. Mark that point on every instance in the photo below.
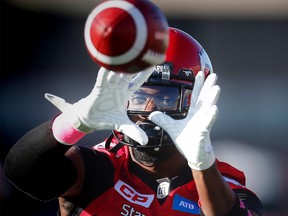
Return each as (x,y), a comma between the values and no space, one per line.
(45,52)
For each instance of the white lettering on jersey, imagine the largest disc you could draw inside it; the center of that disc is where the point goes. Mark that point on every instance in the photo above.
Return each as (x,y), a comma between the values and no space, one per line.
(131,195)
(186,205)
(130,211)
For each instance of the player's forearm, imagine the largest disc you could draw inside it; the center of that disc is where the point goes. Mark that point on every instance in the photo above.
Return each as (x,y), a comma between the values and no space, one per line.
(37,165)
(215,195)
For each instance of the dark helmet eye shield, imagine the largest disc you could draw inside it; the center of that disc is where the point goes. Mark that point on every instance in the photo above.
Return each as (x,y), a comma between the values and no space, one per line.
(177,109)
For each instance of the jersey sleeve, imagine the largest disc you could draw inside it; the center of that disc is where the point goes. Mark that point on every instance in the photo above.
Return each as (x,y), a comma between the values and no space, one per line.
(237,181)
(37,165)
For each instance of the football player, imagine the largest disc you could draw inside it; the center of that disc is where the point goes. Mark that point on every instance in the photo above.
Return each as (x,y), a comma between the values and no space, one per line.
(159,159)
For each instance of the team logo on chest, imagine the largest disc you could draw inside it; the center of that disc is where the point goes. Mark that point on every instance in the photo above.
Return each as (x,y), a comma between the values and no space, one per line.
(131,195)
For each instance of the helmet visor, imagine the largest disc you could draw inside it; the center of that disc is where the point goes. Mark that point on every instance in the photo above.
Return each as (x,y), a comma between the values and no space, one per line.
(158,97)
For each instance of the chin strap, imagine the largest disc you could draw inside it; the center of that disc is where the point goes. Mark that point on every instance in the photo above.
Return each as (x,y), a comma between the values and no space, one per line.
(156,135)
(115,147)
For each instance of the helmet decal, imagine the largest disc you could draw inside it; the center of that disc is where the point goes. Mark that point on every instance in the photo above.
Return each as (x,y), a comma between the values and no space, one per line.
(186,74)
(163,71)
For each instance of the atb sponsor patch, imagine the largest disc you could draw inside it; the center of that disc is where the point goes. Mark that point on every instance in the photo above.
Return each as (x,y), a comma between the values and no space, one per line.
(184,205)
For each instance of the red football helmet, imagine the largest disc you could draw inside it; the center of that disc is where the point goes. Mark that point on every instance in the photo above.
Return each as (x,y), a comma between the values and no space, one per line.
(186,55)
(172,81)
(169,87)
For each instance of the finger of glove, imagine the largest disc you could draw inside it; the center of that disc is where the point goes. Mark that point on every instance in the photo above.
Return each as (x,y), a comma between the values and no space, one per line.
(165,122)
(211,97)
(210,117)
(119,79)
(134,132)
(202,93)
(198,84)
(168,124)
(139,79)
(199,81)
(58,102)
(208,84)
(203,106)
(102,77)
(111,80)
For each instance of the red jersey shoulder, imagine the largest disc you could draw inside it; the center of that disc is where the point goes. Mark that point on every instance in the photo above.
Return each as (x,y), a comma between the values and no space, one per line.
(231,174)
(116,158)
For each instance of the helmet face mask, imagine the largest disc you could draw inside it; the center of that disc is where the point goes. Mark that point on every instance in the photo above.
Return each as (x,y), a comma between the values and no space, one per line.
(168,89)
(172,98)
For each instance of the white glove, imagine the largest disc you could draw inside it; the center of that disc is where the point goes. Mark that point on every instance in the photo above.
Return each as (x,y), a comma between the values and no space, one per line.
(192,134)
(103,109)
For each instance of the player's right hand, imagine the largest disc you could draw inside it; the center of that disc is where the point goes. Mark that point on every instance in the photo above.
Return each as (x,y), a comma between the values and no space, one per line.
(105,107)
(191,135)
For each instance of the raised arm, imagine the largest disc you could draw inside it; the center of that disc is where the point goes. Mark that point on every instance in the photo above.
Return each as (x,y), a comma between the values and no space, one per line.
(192,138)
(44,164)
(37,164)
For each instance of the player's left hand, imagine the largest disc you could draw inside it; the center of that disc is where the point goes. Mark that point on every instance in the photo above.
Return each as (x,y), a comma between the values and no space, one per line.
(192,134)
(105,107)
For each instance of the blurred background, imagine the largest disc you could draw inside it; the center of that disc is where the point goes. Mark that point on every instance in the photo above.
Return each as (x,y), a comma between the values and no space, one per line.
(43,50)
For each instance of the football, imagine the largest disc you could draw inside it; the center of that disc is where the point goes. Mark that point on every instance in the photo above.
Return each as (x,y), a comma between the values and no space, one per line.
(126,35)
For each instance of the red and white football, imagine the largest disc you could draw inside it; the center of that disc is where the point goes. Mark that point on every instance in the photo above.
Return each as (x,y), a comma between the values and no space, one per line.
(126,35)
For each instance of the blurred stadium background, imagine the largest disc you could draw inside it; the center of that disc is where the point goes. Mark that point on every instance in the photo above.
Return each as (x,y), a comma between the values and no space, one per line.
(43,50)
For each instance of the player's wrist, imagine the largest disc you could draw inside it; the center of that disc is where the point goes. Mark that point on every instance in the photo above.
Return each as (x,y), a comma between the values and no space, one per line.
(67,132)
(206,161)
